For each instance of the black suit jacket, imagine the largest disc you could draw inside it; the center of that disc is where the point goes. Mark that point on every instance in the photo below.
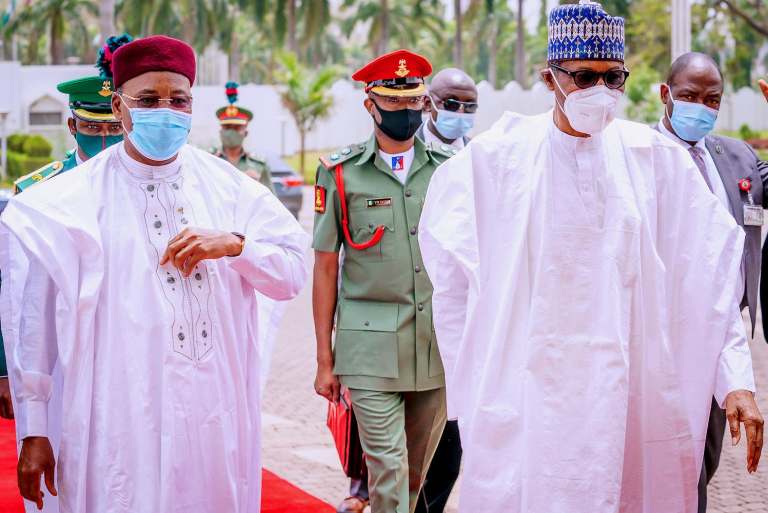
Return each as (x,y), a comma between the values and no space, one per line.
(735,160)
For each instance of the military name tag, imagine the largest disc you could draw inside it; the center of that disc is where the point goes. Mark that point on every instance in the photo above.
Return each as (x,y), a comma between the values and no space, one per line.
(753,215)
(379,202)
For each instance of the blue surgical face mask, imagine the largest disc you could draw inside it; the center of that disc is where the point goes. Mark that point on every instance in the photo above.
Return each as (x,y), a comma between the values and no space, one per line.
(159,134)
(453,125)
(691,121)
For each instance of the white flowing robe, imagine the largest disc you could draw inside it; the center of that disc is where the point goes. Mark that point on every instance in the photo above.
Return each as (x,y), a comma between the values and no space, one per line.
(585,310)
(160,373)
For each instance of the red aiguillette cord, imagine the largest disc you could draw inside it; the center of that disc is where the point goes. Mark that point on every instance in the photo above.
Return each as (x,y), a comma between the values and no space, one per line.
(377,235)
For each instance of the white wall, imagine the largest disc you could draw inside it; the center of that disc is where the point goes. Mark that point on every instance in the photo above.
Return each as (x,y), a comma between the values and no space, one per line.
(273,131)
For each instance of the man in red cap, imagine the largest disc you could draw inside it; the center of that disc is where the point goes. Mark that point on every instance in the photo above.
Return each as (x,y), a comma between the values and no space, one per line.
(368,200)
(144,263)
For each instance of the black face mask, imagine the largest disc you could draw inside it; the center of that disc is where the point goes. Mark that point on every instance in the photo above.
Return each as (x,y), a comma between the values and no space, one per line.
(401,124)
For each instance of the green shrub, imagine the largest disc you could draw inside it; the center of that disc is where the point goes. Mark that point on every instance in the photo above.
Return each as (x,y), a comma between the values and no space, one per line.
(16,142)
(746,133)
(644,103)
(20,164)
(37,146)
(15,161)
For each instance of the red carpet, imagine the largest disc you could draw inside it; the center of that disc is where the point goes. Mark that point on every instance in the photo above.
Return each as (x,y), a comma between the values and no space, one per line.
(279,496)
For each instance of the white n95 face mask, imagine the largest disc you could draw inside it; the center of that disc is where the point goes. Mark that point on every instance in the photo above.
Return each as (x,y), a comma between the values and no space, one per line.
(590,110)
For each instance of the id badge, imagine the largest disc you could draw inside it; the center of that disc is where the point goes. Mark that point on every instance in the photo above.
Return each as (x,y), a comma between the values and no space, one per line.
(753,215)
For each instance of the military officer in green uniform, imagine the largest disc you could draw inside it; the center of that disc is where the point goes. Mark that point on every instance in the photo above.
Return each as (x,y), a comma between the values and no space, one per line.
(234,129)
(92,125)
(368,200)
(94,128)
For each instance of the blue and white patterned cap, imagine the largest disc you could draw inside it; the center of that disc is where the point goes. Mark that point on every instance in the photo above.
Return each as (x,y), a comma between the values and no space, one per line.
(584,31)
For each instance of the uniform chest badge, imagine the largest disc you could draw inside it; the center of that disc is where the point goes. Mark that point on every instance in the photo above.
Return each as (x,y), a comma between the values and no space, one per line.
(398,163)
(319,199)
(379,202)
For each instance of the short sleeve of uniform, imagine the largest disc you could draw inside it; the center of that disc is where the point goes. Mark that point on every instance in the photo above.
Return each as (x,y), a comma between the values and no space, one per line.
(266,176)
(327,230)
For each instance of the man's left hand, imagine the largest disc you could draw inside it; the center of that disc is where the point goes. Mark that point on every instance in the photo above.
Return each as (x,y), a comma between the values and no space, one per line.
(6,404)
(740,407)
(192,245)
(764,88)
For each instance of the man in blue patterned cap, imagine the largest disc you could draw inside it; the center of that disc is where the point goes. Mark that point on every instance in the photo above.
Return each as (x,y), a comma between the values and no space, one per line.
(583,345)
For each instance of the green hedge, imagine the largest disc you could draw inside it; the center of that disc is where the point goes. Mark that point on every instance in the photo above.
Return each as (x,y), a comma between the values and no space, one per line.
(27,153)
(30,144)
(37,146)
(16,142)
(20,164)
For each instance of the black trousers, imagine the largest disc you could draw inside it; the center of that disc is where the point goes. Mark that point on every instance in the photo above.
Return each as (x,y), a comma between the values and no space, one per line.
(443,472)
(712,450)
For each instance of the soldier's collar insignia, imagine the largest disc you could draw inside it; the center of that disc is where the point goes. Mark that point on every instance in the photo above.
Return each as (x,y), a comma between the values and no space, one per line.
(402,69)
(106,88)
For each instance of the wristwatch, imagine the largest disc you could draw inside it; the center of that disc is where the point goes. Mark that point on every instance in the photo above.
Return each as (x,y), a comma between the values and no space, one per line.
(242,242)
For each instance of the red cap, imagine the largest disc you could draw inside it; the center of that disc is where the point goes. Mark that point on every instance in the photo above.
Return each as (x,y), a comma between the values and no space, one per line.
(153,53)
(398,73)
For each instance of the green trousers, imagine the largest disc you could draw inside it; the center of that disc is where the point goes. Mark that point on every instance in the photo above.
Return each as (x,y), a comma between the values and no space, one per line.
(399,432)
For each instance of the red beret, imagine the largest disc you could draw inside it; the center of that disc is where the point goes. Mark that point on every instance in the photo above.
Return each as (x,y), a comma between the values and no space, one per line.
(153,53)
(398,73)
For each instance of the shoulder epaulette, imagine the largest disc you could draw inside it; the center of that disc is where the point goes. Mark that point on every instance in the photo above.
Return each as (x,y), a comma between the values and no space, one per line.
(40,175)
(251,156)
(341,156)
(443,150)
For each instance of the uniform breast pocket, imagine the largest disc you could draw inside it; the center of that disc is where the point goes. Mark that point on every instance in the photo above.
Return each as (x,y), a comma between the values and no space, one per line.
(366,339)
(363,223)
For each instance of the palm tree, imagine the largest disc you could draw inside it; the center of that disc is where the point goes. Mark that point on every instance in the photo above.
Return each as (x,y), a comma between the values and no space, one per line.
(191,20)
(53,17)
(413,20)
(106,20)
(375,12)
(458,46)
(291,25)
(305,94)
(520,66)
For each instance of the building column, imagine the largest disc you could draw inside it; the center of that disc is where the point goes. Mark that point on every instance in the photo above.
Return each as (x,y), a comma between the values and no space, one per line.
(681,27)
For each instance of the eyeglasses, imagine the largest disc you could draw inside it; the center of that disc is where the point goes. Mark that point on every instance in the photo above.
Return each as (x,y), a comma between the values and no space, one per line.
(586,78)
(455,105)
(152,102)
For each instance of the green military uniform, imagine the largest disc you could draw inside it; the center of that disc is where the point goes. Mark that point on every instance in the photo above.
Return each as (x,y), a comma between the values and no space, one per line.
(384,334)
(90,99)
(252,164)
(46,172)
(385,350)
(232,118)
